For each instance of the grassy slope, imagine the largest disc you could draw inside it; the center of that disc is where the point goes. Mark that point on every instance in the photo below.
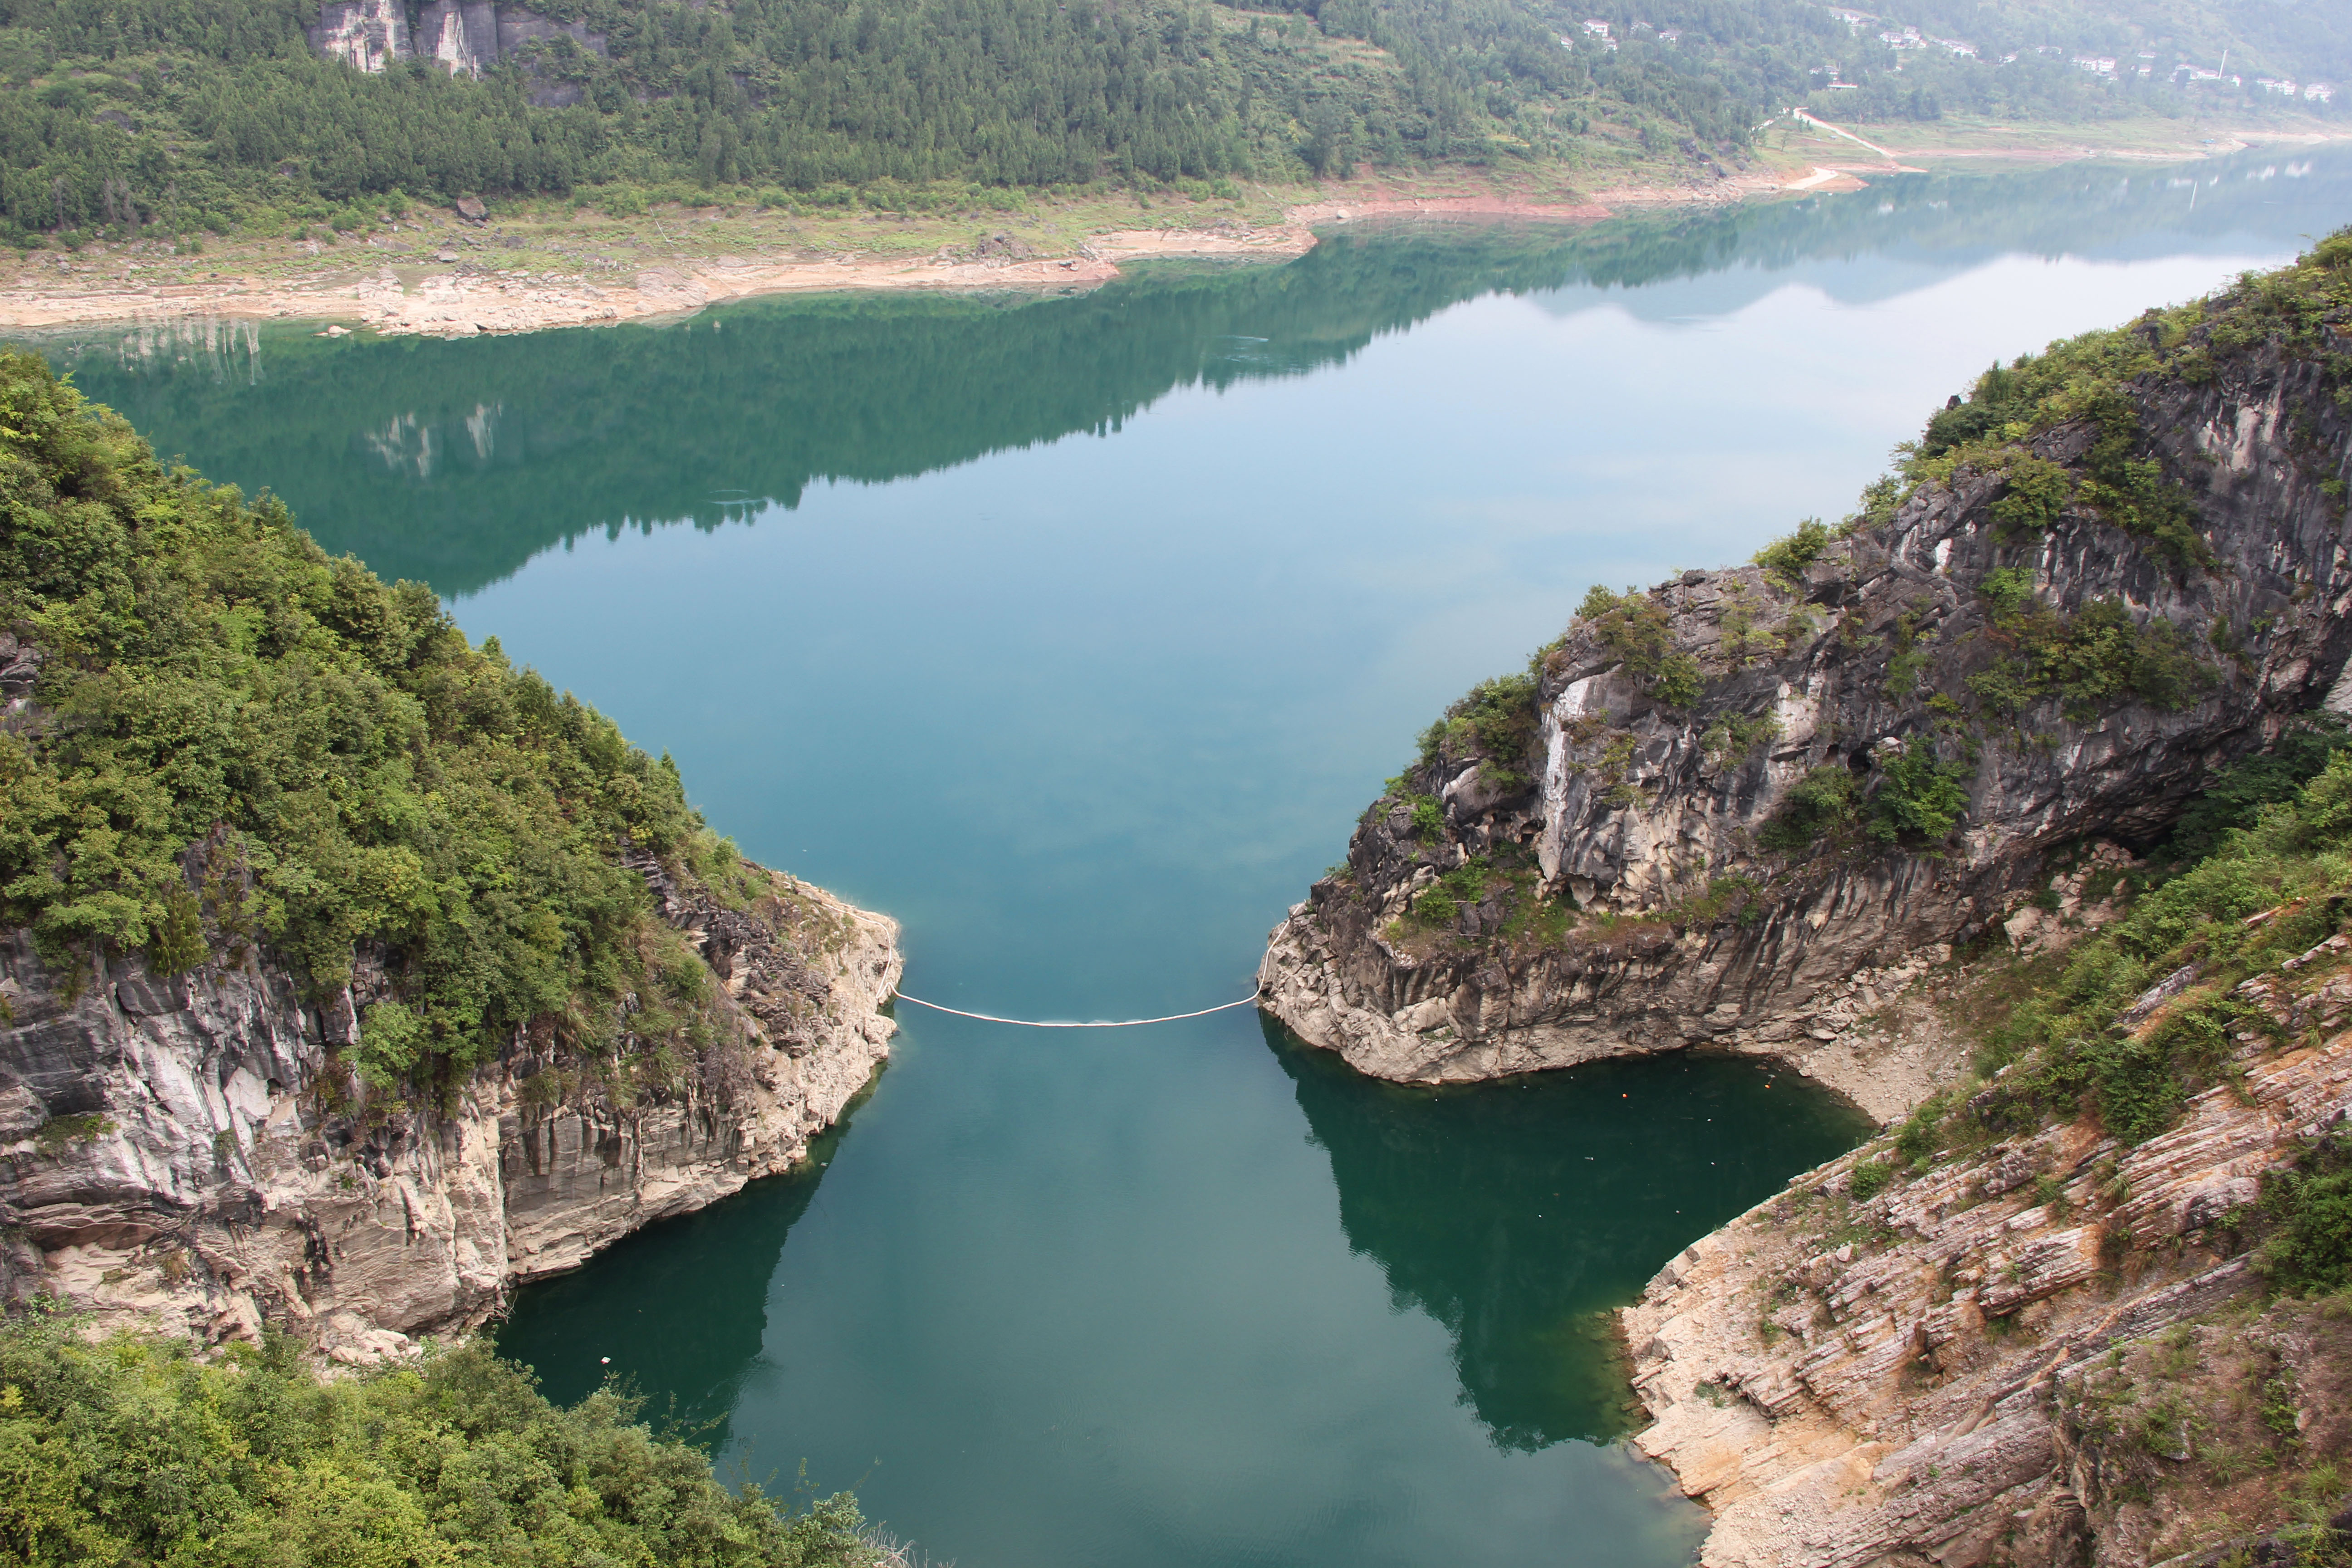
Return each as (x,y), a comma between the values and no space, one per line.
(233,740)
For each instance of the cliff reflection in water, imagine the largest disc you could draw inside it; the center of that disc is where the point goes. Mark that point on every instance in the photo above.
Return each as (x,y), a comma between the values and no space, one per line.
(455,462)
(1519,1212)
(631,1306)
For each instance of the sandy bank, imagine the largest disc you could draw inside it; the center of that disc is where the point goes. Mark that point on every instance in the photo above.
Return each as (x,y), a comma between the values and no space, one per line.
(462,301)
(462,297)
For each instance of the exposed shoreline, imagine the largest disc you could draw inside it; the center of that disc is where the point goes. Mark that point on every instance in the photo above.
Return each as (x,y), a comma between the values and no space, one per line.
(464,301)
(467,303)
(457,295)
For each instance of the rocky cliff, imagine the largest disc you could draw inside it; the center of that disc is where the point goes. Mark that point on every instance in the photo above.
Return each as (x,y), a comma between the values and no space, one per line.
(1708,808)
(348,973)
(464,38)
(197,1152)
(2055,1350)
(1875,807)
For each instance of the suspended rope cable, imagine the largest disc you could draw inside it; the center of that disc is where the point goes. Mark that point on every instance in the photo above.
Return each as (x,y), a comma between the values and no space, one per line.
(1247,1000)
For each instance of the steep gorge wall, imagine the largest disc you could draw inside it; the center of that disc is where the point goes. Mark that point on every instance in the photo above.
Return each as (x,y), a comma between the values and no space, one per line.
(195,1152)
(1650,816)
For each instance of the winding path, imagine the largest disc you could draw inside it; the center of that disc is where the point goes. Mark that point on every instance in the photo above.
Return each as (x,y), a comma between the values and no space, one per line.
(1841,131)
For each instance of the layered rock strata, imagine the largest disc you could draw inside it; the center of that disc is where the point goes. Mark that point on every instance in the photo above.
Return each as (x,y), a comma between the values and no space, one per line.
(1646,809)
(1967,1367)
(194,1152)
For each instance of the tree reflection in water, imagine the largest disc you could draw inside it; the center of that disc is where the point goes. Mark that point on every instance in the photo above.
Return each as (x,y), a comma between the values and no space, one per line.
(455,462)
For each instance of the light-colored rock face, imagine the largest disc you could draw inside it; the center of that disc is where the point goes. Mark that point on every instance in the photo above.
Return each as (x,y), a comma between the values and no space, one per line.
(463,36)
(1690,928)
(366,34)
(190,1153)
(1934,1376)
(1906,1379)
(460,37)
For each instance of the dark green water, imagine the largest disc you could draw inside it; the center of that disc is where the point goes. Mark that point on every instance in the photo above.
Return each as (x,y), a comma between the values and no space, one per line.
(1074,632)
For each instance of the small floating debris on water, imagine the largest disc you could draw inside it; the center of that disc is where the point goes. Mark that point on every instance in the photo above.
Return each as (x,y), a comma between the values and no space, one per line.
(605,1360)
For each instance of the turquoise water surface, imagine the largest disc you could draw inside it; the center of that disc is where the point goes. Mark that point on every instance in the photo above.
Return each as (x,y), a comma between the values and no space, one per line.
(1075,631)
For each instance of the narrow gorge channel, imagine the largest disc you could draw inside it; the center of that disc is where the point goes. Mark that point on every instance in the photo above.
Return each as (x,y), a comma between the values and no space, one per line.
(1074,632)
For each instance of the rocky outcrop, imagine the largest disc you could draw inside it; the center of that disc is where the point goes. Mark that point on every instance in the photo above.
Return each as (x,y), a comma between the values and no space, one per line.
(194,1150)
(2016,1356)
(1789,808)
(366,34)
(464,37)
(1664,864)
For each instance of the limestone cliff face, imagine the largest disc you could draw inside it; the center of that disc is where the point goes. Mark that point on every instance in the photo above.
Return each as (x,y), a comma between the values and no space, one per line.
(367,35)
(194,1152)
(1761,808)
(2013,1358)
(463,36)
(1649,814)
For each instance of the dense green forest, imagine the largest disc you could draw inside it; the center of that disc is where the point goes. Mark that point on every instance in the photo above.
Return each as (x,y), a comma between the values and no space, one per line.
(194,113)
(127,1450)
(191,115)
(118,115)
(241,740)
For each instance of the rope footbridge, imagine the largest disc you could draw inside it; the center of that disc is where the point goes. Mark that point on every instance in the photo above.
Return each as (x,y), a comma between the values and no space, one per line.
(1248,1000)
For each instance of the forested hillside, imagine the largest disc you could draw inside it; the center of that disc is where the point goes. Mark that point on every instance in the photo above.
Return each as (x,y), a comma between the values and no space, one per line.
(129,1450)
(195,112)
(2065,60)
(361,774)
(204,114)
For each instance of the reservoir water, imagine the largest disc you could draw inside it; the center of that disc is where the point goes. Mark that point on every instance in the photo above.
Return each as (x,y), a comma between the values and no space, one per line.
(1074,631)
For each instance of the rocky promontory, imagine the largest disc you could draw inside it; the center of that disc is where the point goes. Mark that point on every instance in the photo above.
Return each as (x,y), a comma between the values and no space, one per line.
(1711,809)
(348,973)
(2017,809)
(195,1152)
